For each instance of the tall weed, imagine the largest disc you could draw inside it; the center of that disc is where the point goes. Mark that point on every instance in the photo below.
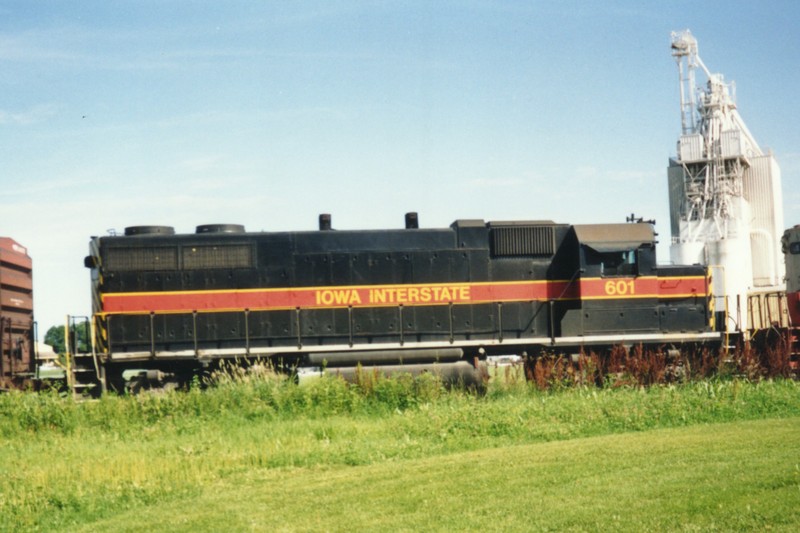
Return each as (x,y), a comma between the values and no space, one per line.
(639,367)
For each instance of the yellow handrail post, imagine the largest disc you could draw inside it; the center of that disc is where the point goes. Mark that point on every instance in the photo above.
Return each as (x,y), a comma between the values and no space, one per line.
(68,355)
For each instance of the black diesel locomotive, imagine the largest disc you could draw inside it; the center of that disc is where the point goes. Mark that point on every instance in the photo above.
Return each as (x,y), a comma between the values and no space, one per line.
(171,304)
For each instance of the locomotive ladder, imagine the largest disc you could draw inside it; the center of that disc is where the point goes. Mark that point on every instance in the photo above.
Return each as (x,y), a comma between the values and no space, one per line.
(82,369)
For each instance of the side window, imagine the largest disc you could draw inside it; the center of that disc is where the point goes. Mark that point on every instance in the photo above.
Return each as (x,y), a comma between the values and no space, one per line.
(618,263)
(794,248)
(612,263)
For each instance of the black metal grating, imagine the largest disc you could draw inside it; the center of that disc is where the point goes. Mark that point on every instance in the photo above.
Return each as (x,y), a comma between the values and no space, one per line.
(523,241)
(220,256)
(131,259)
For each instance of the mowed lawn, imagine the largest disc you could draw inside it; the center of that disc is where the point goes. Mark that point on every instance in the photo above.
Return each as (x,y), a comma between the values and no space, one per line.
(725,477)
(263,454)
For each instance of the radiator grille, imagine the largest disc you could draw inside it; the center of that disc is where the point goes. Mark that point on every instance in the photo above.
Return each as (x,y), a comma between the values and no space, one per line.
(132,259)
(523,241)
(225,256)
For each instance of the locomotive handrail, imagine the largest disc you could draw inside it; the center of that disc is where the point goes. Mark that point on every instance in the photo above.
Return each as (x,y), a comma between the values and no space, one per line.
(194,332)
(298,312)
(500,321)
(247,332)
(450,320)
(250,342)
(72,345)
(152,333)
(298,325)
(402,324)
(68,355)
(350,325)
(108,334)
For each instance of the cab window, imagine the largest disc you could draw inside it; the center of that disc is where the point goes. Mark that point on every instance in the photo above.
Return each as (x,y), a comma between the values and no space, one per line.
(618,263)
(613,263)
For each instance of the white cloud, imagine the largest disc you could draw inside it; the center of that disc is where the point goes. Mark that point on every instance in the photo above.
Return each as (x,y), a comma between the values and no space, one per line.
(33,46)
(33,115)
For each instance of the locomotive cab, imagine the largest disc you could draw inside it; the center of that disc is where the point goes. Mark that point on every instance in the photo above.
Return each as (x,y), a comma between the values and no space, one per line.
(616,250)
(615,262)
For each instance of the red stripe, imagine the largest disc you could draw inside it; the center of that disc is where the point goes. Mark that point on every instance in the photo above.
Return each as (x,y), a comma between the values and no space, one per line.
(643,287)
(393,295)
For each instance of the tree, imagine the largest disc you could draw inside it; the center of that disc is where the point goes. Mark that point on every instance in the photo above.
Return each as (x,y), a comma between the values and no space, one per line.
(79,333)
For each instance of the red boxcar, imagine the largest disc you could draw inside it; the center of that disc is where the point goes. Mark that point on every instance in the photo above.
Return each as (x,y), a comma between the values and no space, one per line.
(17,360)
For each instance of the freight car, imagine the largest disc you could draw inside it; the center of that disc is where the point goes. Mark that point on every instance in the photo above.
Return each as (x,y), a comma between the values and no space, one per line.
(167,305)
(17,360)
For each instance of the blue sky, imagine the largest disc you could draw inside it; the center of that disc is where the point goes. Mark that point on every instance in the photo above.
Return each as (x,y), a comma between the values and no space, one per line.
(182,113)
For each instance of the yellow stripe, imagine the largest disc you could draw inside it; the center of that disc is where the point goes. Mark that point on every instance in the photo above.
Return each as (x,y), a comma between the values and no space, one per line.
(335,287)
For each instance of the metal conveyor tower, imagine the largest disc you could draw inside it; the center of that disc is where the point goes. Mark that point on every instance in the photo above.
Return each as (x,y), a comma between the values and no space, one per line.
(726,207)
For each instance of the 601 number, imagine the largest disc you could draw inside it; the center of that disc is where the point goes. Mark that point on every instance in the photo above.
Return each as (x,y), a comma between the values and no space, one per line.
(620,287)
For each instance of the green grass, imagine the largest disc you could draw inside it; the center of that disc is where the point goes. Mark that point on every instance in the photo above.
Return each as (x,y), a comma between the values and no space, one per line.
(265,453)
(736,476)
